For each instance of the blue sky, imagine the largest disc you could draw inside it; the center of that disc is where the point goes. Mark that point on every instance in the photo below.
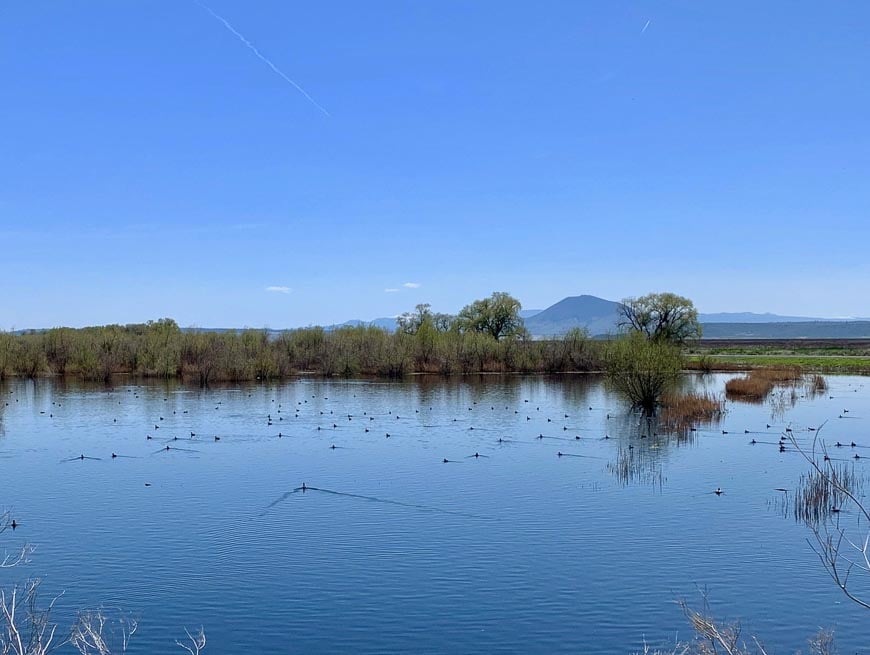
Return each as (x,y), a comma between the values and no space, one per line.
(152,165)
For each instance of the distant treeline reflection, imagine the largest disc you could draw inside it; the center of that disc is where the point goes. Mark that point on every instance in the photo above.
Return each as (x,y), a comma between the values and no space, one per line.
(161,349)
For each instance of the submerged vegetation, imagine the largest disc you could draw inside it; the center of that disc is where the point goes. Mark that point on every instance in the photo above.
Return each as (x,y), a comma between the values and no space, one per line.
(821,493)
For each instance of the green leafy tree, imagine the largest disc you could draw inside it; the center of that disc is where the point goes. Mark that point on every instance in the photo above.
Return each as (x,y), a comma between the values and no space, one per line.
(661,317)
(8,353)
(161,351)
(497,316)
(410,322)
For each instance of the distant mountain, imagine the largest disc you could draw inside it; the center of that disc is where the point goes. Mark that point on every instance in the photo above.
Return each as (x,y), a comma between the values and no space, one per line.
(596,315)
(601,317)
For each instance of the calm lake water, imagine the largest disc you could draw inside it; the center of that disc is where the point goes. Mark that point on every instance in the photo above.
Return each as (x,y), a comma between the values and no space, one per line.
(517,550)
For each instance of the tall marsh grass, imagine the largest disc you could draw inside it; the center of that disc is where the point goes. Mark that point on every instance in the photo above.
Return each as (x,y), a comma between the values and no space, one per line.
(758,384)
(819,495)
(681,412)
(748,388)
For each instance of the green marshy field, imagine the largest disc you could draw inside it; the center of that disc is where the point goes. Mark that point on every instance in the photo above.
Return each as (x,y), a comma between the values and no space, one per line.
(829,355)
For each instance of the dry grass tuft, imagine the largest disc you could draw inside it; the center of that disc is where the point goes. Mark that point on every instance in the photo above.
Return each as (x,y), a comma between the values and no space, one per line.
(779,375)
(679,413)
(748,388)
(758,383)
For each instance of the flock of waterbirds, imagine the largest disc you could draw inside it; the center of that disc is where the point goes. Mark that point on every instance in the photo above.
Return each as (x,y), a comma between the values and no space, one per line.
(301,416)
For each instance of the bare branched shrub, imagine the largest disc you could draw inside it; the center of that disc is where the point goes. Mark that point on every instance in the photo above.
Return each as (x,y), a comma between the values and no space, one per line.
(95,633)
(679,648)
(195,643)
(20,556)
(25,628)
(822,643)
(844,553)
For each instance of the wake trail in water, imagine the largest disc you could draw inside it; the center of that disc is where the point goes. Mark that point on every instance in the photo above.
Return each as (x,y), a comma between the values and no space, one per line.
(426,508)
(561,454)
(174,448)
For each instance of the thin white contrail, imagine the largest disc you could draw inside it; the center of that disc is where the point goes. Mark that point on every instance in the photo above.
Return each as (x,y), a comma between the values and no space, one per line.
(644,27)
(260,55)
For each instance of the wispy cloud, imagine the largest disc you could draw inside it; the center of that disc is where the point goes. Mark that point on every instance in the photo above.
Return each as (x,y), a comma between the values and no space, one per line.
(391,290)
(412,285)
(644,27)
(260,55)
(277,289)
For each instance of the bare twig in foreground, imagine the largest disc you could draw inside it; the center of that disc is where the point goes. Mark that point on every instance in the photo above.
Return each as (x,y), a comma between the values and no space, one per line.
(197,642)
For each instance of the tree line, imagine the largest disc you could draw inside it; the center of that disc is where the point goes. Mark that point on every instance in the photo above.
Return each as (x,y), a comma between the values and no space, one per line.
(486,336)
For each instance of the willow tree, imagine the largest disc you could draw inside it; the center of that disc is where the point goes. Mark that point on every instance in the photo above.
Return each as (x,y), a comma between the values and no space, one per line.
(497,316)
(411,322)
(663,317)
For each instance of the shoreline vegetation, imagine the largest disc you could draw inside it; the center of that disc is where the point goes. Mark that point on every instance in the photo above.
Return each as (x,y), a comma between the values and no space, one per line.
(160,349)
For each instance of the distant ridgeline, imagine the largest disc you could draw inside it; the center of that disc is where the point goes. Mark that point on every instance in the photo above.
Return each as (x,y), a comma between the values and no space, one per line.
(789,330)
(600,317)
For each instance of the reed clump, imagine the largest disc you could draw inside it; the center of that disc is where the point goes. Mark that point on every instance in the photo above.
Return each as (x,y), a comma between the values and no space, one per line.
(748,388)
(758,383)
(680,412)
(820,494)
(818,383)
(782,375)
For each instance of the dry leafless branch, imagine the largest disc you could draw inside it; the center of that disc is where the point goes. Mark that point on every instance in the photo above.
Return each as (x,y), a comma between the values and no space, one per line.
(197,642)
(8,560)
(831,538)
(26,629)
(95,633)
